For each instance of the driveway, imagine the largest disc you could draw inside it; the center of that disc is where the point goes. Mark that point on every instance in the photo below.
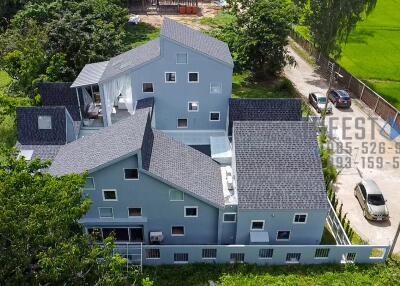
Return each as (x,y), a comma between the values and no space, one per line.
(362,150)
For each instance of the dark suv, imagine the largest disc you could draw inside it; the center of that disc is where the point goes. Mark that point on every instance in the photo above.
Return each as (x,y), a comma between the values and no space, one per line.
(340,98)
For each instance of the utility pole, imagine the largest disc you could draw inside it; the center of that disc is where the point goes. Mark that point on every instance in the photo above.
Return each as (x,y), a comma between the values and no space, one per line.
(394,241)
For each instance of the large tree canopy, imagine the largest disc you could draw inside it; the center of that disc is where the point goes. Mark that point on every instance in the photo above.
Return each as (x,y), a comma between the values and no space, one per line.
(332,21)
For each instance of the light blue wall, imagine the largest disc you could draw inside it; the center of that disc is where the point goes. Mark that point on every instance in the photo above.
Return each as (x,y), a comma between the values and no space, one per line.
(171,99)
(158,213)
(308,233)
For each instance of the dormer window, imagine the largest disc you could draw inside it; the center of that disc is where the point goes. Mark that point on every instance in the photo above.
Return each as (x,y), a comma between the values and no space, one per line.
(44,122)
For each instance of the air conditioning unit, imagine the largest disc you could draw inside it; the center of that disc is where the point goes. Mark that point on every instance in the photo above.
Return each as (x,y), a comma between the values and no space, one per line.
(156,237)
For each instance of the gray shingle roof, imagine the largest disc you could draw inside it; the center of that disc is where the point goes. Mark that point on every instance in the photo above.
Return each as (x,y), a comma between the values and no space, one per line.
(196,40)
(131,59)
(182,166)
(43,152)
(90,74)
(104,146)
(278,165)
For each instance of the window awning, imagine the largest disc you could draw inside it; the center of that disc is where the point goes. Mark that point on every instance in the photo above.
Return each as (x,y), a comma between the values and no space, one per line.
(90,74)
(259,236)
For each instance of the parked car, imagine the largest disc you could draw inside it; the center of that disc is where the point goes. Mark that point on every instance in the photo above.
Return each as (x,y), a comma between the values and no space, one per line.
(340,98)
(371,200)
(318,101)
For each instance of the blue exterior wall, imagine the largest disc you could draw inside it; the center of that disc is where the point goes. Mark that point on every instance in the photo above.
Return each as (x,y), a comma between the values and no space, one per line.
(158,212)
(277,220)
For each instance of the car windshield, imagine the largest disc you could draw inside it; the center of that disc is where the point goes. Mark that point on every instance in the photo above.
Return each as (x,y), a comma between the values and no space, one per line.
(345,98)
(322,100)
(376,200)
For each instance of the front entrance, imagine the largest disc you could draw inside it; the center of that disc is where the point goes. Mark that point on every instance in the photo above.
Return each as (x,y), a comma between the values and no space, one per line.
(136,234)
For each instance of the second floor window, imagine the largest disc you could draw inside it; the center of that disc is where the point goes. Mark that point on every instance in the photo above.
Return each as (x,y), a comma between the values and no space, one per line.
(131,174)
(135,212)
(106,212)
(300,218)
(182,123)
(193,77)
(193,106)
(215,88)
(214,116)
(175,195)
(110,195)
(148,87)
(170,77)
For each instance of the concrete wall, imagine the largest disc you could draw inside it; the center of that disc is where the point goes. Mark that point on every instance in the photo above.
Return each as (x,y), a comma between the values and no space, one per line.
(158,212)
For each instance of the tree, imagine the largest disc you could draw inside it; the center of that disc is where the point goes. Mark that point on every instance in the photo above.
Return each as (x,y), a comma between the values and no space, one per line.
(259,36)
(332,21)
(41,241)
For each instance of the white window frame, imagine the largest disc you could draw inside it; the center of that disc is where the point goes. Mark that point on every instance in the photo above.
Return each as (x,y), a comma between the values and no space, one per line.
(191,207)
(219,116)
(110,200)
(125,179)
(152,258)
(294,218)
(177,123)
(141,214)
(169,196)
(220,84)
(228,221)
(281,239)
(257,220)
(187,59)
(165,77)
(112,211)
(152,83)
(198,77)
(191,102)
(94,184)
(184,231)
(47,117)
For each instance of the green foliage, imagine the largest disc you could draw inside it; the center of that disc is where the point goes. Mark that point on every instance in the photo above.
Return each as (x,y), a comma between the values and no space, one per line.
(140,34)
(327,237)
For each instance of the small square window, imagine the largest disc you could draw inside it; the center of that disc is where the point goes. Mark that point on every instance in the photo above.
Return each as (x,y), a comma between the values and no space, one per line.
(175,195)
(191,211)
(44,122)
(170,77)
(135,212)
(153,253)
(193,106)
(148,87)
(229,217)
(110,195)
(214,116)
(216,88)
(89,184)
(193,77)
(283,235)
(257,225)
(131,174)
(182,123)
(178,231)
(182,58)
(106,212)
(300,218)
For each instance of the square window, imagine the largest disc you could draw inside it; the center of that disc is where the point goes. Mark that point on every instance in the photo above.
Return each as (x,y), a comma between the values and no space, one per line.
(257,225)
(193,77)
(106,212)
(175,195)
(182,123)
(135,211)
(193,106)
(300,218)
(131,174)
(89,184)
(153,253)
(181,257)
(283,235)
(178,231)
(209,253)
(214,116)
(170,77)
(44,122)
(215,88)
(182,58)
(191,211)
(110,195)
(229,217)
(148,87)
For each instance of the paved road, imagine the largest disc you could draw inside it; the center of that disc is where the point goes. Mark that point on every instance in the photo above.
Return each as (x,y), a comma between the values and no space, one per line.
(367,153)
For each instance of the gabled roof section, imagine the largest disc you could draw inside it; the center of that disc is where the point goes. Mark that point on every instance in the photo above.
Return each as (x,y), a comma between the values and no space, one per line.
(131,59)
(278,165)
(196,40)
(90,74)
(107,145)
(182,166)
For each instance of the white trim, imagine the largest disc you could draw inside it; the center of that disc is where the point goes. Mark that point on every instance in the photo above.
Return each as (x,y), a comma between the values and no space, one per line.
(283,239)
(135,215)
(191,207)
(294,217)
(216,82)
(177,123)
(110,200)
(112,211)
(178,234)
(165,77)
(219,116)
(125,179)
(257,220)
(223,218)
(94,184)
(198,77)
(152,83)
(187,59)
(169,196)
(198,106)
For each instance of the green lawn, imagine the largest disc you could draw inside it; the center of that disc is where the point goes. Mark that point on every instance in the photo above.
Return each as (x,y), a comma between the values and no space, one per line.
(140,34)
